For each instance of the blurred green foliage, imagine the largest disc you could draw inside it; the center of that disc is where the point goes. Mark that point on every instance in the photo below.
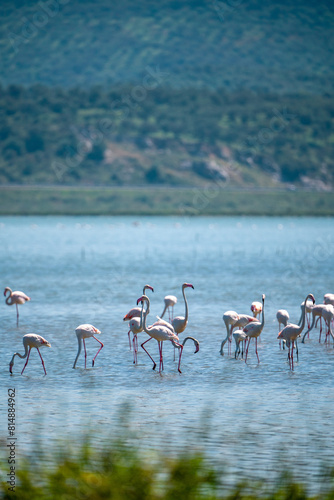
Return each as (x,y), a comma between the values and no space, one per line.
(119,472)
(114,136)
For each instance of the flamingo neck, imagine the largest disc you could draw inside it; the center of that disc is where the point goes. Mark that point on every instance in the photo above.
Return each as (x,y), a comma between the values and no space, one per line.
(301,328)
(185,304)
(22,356)
(143,315)
(9,297)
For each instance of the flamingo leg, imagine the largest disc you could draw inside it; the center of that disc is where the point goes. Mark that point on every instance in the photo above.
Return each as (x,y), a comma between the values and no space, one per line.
(247,349)
(292,354)
(99,341)
(41,360)
(17,315)
(26,361)
(161,365)
(129,339)
(256,350)
(179,365)
(142,345)
(83,340)
(134,349)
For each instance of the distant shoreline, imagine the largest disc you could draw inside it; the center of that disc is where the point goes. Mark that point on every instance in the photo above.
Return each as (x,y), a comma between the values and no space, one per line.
(162,200)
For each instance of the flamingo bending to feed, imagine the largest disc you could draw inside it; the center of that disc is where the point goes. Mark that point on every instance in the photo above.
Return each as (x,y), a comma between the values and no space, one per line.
(256,308)
(239,337)
(328,315)
(316,313)
(309,306)
(291,332)
(30,340)
(15,298)
(84,332)
(229,318)
(253,330)
(283,318)
(159,332)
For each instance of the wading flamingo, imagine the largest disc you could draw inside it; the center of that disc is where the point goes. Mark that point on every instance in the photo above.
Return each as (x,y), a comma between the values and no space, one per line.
(179,323)
(160,333)
(170,301)
(84,332)
(316,313)
(328,315)
(15,298)
(253,330)
(29,341)
(239,337)
(243,320)
(282,317)
(229,318)
(291,332)
(256,308)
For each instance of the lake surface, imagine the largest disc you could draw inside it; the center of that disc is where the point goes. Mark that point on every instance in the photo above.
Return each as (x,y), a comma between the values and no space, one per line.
(254,419)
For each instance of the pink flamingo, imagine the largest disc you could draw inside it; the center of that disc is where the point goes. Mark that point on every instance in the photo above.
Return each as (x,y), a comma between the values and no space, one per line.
(170,301)
(29,341)
(15,298)
(256,308)
(328,315)
(282,317)
(84,332)
(291,332)
(179,323)
(239,337)
(309,306)
(229,318)
(329,298)
(159,332)
(253,330)
(316,314)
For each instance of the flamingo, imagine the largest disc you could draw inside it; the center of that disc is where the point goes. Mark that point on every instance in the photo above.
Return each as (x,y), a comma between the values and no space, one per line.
(84,332)
(15,298)
(291,332)
(136,311)
(170,301)
(256,308)
(253,330)
(229,318)
(159,332)
(316,312)
(282,317)
(30,340)
(243,320)
(329,298)
(328,315)
(239,337)
(179,323)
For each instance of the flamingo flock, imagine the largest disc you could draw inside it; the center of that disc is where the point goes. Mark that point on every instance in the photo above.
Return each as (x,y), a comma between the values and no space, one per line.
(240,327)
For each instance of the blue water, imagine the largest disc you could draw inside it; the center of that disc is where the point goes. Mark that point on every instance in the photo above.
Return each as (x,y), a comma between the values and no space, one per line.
(254,419)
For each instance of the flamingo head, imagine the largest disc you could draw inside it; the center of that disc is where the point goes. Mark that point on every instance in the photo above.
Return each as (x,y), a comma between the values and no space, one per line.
(7,289)
(96,330)
(142,298)
(149,287)
(45,343)
(11,368)
(197,347)
(311,296)
(188,285)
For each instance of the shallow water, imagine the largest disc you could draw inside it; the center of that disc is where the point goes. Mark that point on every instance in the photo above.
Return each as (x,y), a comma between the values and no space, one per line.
(254,419)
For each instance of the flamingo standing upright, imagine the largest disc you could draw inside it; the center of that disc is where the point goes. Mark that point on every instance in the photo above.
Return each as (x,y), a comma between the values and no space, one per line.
(253,330)
(256,308)
(179,323)
(160,333)
(30,340)
(84,332)
(291,332)
(135,312)
(15,298)
(229,318)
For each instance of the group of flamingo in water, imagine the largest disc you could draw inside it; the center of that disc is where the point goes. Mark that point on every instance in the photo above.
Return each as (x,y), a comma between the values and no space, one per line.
(246,327)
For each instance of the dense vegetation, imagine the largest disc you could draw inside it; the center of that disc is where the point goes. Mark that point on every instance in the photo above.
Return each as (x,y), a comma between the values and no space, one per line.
(276,46)
(139,135)
(118,472)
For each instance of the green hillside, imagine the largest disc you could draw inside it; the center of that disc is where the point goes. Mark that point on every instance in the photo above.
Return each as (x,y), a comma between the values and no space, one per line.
(276,46)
